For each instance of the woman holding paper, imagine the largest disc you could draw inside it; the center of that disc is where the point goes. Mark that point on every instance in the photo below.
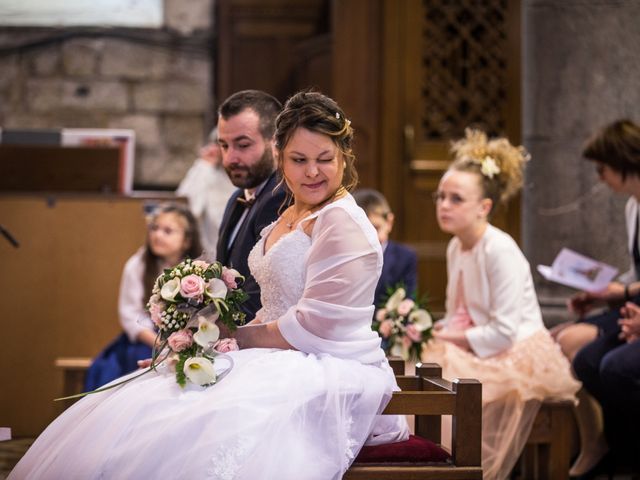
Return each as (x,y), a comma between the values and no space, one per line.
(603,357)
(493,328)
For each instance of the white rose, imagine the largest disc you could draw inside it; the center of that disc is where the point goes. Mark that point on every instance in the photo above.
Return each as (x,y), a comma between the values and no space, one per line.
(395,299)
(170,289)
(421,319)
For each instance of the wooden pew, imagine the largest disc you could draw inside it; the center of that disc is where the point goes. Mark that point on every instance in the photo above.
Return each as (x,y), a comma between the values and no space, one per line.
(428,396)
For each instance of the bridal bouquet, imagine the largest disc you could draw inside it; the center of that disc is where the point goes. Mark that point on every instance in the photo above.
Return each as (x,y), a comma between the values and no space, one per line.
(186,302)
(403,324)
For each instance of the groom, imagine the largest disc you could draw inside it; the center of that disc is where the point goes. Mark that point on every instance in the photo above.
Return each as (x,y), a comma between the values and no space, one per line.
(246,125)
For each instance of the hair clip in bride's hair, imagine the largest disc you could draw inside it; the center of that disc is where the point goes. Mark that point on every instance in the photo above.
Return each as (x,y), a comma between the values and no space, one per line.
(338,115)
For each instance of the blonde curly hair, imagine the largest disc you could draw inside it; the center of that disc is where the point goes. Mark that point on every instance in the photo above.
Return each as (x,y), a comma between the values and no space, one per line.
(499,164)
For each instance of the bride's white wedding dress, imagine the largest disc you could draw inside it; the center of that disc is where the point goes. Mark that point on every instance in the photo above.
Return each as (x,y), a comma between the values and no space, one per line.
(278,414)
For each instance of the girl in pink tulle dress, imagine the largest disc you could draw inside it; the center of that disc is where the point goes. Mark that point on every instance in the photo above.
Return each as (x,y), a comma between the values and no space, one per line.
(493,328)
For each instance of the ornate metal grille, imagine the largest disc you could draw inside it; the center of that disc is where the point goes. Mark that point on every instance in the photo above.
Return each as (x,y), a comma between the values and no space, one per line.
(464,67)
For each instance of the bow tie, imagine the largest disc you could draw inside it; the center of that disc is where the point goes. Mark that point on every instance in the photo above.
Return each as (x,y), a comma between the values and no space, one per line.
(247,202)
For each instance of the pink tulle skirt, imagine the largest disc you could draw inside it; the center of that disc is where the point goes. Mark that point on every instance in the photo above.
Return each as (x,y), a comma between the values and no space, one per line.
(514,384)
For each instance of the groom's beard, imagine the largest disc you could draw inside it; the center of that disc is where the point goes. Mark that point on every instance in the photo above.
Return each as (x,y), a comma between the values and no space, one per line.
(255,174)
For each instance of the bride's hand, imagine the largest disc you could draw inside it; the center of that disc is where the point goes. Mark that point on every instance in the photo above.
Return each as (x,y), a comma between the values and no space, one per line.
(225,332)
(146,363)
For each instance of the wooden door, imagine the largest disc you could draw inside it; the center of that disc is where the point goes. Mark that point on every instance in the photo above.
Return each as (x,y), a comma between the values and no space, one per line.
(447,65)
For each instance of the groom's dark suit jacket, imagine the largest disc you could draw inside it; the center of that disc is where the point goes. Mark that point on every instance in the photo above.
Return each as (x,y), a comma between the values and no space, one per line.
(400,266)
(261,213)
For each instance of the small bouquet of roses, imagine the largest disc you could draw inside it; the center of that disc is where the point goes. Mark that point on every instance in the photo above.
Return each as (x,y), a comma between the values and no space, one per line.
(186,302)
(403,324)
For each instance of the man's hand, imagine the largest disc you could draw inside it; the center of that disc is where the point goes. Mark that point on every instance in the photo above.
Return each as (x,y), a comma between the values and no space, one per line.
(630,322)
(582,302)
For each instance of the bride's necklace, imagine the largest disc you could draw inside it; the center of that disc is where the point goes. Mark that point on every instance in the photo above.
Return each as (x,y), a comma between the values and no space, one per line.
(293,221)
(296,220)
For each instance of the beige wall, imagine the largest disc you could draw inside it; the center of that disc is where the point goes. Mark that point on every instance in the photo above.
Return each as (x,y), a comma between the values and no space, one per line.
(59,292)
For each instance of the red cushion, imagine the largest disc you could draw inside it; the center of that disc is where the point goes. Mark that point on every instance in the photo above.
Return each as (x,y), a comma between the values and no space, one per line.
(414,450)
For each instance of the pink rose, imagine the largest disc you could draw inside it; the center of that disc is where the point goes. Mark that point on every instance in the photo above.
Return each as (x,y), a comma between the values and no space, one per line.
(229,277)
(385,328)
(405,306)
(225,345)
(155,310)
(413,333)
(180,340)
(156,307)
(192,286)
(381,314)
(201,263)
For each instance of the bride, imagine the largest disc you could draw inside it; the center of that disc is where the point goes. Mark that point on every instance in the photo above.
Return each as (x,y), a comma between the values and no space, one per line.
(310,379)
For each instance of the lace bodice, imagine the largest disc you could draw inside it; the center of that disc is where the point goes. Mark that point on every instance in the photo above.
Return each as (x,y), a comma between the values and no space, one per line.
(320,288)
(280,271)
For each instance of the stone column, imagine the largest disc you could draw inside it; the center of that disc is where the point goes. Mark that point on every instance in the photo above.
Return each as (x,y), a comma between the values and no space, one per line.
(581,70)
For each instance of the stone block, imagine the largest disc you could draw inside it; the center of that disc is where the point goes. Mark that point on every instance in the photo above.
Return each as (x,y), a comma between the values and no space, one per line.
(161,167)
(176,97)
(185,16)
(50,94)
(183,132)
(147,128)
(192,68)
(80,57)
(9,71)
(130,60)
(45,62)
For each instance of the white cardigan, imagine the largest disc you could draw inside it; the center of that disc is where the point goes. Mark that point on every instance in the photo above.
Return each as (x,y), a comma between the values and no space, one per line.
(631,214)
(498,291)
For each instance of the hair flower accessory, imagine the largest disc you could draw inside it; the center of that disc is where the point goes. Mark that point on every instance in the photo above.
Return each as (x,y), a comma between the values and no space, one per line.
(489,167)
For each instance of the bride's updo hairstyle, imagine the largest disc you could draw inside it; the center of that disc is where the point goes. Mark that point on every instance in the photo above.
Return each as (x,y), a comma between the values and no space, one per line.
(320,114)
(498,164)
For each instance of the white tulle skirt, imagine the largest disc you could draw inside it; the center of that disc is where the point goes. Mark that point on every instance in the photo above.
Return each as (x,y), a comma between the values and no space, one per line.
(277,414)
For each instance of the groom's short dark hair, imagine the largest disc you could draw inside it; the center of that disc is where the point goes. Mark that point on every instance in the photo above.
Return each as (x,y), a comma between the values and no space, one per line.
(266,106)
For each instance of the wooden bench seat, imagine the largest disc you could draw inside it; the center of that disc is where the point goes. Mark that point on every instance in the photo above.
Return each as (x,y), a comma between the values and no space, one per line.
(74,370)
(428,396)
(547,453)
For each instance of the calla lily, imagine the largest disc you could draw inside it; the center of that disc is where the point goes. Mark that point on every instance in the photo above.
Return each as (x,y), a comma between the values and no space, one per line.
(208,332)
(210,313)
(170,289)
(421,319)
(395,299)
(199,370)
(216,288)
